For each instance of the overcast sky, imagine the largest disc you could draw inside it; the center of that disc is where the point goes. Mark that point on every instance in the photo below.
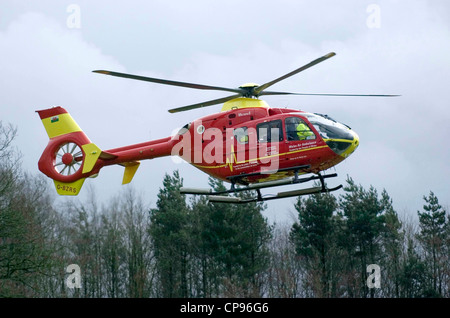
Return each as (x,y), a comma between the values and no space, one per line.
(49,48)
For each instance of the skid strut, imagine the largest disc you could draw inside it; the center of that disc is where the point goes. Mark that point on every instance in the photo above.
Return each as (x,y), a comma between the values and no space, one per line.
(220,196)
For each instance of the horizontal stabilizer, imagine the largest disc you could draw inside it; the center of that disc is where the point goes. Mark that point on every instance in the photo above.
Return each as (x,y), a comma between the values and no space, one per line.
(92,153)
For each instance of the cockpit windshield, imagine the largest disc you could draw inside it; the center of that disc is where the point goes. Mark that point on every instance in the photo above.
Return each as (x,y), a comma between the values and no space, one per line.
(328,128)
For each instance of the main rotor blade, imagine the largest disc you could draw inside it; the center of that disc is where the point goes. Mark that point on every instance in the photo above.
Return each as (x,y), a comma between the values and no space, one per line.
(168,82)
(312,94)
(204,104)
(258,90)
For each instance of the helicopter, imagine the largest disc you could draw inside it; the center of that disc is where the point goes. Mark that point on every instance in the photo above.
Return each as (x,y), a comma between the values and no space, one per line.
(247,144)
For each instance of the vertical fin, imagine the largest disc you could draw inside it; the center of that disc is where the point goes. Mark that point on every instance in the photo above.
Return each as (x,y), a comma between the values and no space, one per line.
(57,121)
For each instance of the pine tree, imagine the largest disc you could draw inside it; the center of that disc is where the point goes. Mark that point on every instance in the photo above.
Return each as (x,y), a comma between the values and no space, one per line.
(252,236)
(170,234)
(232,244)
(206,270)
(432,222)
(364,225)
(314,239)
(392,240)
(413,273)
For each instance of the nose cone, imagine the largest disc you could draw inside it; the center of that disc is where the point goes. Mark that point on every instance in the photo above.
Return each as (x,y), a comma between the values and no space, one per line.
(354,144)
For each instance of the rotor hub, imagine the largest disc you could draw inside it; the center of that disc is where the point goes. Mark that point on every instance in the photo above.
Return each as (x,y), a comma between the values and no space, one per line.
(248,90)
(67,159)
(249,85)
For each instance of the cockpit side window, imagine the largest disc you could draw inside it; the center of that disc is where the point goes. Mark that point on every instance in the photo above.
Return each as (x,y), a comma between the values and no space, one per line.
(297,129)
(271,131)
(241,135)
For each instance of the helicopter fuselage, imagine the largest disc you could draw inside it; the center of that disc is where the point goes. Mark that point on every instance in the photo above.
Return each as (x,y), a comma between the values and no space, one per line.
(248,137)
(246,143)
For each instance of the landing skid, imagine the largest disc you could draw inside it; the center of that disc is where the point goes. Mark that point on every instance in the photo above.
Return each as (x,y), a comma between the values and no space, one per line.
(219,196)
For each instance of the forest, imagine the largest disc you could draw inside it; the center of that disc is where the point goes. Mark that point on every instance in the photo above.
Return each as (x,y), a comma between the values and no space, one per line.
(186,247)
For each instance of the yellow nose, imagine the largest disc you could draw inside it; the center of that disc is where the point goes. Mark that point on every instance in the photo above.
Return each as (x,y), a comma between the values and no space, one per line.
(353,146)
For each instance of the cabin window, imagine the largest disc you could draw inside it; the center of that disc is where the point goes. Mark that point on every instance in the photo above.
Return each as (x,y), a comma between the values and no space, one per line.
(241,135)
(297,129)
(271,131)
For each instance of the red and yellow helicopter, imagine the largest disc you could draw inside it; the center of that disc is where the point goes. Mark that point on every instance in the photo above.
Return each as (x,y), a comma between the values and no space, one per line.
(248,144)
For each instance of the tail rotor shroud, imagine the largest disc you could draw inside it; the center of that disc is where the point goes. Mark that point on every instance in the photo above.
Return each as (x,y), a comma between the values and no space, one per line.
(68,159)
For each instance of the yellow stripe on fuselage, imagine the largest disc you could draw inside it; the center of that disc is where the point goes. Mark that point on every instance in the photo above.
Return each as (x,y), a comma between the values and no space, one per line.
(60,125)
(283,154)
(271,156)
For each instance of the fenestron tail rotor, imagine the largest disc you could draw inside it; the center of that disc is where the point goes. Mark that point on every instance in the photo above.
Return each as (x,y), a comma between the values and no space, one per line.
(246,90)
(68,159)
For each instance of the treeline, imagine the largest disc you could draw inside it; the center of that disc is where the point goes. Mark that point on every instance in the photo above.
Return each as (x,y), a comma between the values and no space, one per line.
(188,247)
